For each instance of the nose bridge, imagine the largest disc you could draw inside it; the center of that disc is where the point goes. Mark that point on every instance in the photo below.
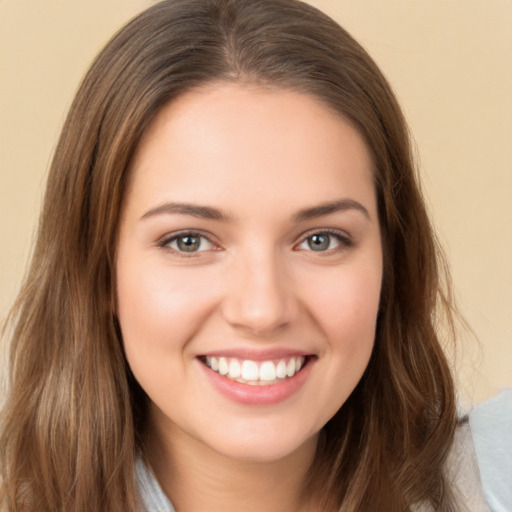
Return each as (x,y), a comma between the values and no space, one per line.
(259,295)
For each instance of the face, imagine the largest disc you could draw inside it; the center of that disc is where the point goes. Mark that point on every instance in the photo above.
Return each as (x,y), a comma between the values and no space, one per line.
(249,269)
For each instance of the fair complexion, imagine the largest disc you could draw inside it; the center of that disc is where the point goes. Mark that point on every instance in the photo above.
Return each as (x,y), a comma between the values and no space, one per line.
(249,243)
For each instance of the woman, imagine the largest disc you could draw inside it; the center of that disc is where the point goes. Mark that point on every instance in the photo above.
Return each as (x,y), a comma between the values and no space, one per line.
(235,286)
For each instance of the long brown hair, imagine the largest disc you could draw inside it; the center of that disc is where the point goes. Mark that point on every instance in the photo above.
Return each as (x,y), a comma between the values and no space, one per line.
(73,422)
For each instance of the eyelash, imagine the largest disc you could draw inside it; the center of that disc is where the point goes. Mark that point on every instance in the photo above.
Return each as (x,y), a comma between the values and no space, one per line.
(165,242)
(344,241)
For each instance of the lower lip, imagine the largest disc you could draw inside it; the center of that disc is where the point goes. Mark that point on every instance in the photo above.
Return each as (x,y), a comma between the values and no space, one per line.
(255,394)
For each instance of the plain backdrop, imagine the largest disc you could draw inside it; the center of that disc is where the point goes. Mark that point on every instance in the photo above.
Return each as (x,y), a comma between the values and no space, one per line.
(450,63)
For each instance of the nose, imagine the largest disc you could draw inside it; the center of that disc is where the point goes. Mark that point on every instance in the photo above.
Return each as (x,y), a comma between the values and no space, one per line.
(259,299)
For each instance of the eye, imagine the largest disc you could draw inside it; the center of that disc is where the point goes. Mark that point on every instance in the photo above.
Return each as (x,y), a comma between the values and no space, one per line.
(187,242)
(323,241)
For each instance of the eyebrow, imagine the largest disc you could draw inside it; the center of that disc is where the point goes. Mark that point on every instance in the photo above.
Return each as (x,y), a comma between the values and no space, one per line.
(210,213)
(328,208)
(202,212)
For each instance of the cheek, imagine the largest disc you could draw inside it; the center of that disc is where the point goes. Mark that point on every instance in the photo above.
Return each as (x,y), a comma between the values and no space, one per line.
(348,302)
(153,297)
(346,309)
(150,308)
(158,312)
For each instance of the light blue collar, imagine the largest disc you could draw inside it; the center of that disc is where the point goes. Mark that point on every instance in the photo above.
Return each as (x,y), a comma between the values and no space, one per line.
(153,498)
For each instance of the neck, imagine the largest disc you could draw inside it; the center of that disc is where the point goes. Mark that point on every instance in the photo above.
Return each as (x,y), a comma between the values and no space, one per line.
(198,479)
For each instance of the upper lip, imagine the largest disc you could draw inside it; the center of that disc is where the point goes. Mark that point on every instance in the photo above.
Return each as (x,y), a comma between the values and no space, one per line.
(255,354)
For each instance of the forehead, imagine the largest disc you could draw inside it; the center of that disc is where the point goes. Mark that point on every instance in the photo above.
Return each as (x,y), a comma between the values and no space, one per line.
(228,140)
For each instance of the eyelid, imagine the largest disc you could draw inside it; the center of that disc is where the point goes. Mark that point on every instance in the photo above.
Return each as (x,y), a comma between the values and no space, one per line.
(344,239)
(164,241)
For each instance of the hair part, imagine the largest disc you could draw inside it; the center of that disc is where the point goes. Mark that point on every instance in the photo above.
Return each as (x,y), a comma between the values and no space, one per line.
(73,423)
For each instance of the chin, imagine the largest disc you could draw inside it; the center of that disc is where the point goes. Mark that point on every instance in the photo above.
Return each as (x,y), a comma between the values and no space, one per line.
(259,443)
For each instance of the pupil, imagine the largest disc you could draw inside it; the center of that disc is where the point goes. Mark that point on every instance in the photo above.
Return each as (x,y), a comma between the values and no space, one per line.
(318,242)
(188,243)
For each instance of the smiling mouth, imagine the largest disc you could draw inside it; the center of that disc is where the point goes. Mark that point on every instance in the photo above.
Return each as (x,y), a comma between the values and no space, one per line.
(255,373)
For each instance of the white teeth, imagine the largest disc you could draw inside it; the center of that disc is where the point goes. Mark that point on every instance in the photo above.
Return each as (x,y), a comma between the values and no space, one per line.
(223,366)
(234,369)
(281,369)
(290,368)
(251,372)
(268,371)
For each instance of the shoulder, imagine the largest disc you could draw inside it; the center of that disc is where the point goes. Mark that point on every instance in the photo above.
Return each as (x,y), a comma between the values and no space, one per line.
(491,429)
(462,472)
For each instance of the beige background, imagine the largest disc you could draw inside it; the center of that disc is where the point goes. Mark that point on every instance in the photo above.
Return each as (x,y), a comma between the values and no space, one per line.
(450,64)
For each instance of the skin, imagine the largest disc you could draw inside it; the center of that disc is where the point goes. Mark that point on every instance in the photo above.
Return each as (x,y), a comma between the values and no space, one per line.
(259,157)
